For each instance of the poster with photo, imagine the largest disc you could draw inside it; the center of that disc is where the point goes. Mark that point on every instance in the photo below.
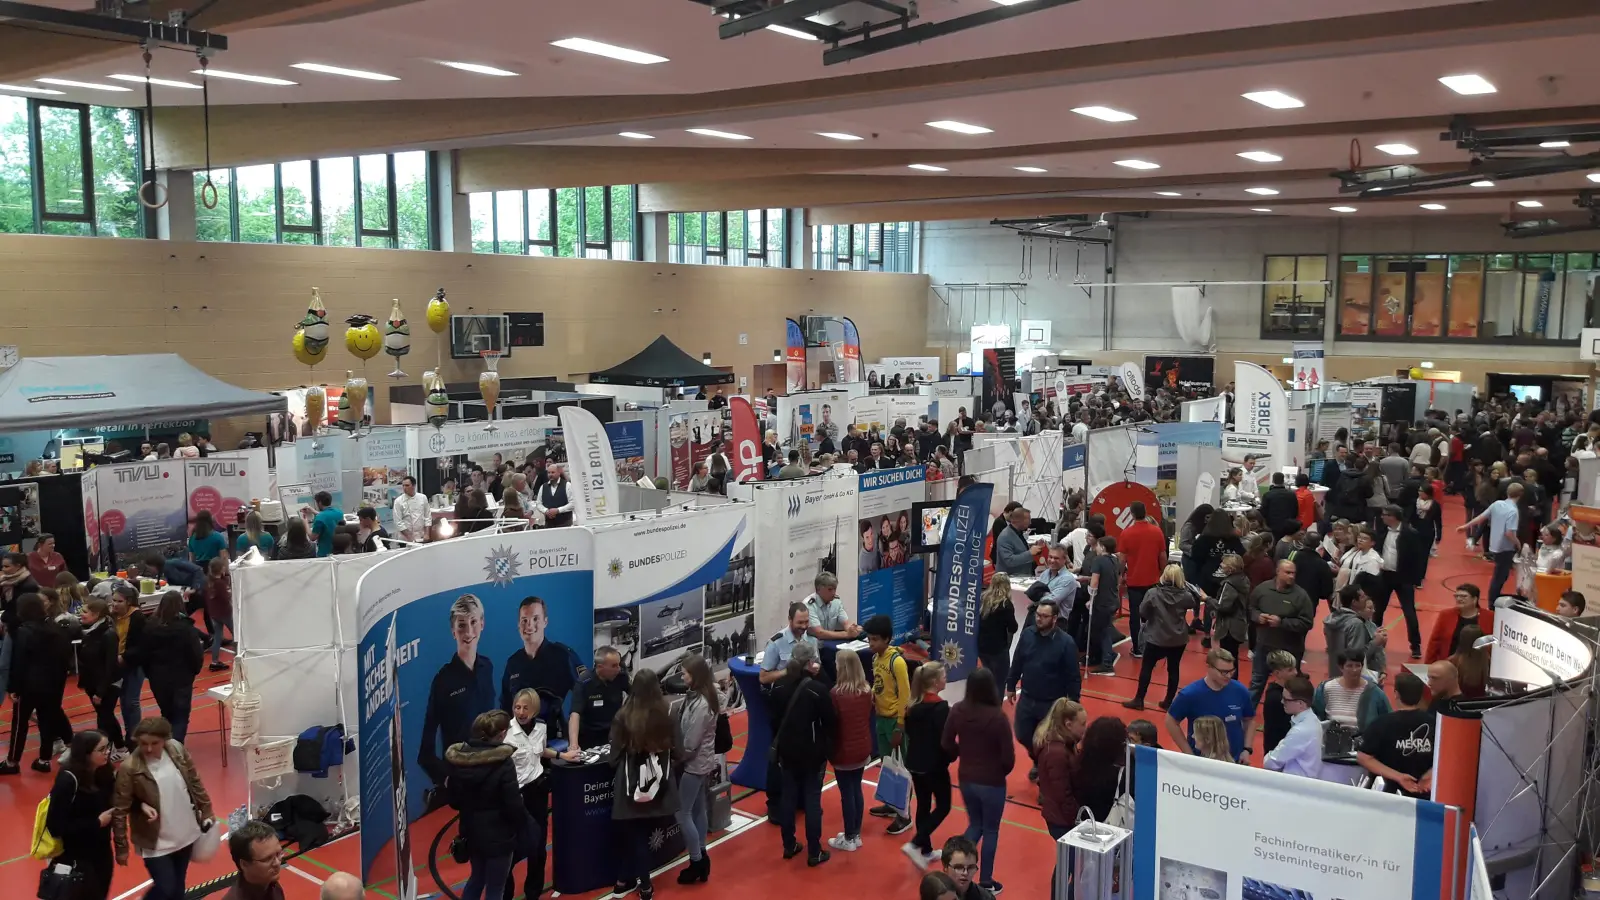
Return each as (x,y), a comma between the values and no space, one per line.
(704,430)
(681,454)
(730,621)
(383,466)
(627,449)
(803,527)
(1179,373)
(889,578)
(144,507)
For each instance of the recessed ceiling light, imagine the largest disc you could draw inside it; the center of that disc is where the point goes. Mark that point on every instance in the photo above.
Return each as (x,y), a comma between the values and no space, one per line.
(242,76)
(1555,145)
(725,135)
(1033,170)
(1010,2)
(1530,204)
(924,167)
(1262,191)
(1168,194)
(1105,114)
(636,135)
(609,51)
(31,90)
(1467,84)
(1481,184)
(792,32)
(478,68)
(1259,209)
(90,85)
(1594,176)
(1398,149)
(1137,164)
(959,127)
(341,70)
(1274,99)
(1260,156)
(1433,206)
(840,135)
(159,82)
(1343,209)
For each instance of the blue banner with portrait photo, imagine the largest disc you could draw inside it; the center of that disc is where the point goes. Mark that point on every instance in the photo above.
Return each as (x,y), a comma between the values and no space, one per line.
(958,589)
(889,577)
(475,620)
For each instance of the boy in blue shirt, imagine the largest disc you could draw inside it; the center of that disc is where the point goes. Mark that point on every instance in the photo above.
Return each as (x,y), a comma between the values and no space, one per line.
(1217,694)
(325,523)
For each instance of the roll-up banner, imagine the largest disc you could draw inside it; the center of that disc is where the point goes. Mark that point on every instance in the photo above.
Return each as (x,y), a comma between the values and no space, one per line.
(1215,829)
(681,454)
(704,429)
(794,355)
(850,365)
(803,526)
(144,507)
(1309,365)
(888,576)
(1260,418)
(999,368)
(383,466)
(958,588)
(594,470)
(217,486)
(1132,380)
(746,456)
(99,558)
(468,616)
(627,449)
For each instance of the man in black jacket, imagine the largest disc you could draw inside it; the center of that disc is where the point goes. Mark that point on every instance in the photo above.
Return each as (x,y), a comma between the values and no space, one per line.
(802,733)
(1278,504)
(1405,559)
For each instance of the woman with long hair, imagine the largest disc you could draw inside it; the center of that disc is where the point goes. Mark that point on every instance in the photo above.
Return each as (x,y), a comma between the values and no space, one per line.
(98,672)
(41,654)
(160,806)
(80,813)
(482,785)
(978,736)
(696,751)
(1166,632)
(1211,739)
(642,788)
(1101,756)
(72,593)
(172,656)
(1055,746)
(802,736)
(296,542)
(852,744)
(997,625)
(926,760)
(1188,532)
(472,511)
(1216,540)
(511,514)
(1472,664)
(254,535)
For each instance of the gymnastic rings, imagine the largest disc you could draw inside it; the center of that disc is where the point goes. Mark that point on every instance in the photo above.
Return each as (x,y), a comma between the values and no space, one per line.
(209,201)
(157,190)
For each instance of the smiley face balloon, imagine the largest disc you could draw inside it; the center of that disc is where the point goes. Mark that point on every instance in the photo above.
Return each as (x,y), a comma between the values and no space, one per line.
(438,312)
(362,338)
(396,338)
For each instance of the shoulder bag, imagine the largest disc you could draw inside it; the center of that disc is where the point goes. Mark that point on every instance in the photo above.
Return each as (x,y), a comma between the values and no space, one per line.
(772,751)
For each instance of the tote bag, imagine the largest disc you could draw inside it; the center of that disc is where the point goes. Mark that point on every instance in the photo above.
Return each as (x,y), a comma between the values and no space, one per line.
(244,705)
(894,785)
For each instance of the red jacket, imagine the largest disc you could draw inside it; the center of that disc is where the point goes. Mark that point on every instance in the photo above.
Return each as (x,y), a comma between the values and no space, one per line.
(1306,502)
(1444,628)
(219,596)
(1144,549)
(1059,803)
(852,729)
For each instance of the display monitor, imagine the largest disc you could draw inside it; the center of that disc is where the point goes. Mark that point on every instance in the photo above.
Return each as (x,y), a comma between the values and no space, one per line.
(929,519)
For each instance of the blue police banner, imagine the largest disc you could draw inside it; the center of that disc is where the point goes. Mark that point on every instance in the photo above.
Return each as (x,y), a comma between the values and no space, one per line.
(959,587)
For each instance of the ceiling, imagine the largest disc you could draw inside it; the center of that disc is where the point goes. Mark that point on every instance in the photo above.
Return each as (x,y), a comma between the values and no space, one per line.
(1368,77)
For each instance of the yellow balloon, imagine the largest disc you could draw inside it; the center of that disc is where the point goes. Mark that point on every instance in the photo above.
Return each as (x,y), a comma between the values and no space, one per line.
(305,352)
(439,312)
(362,338)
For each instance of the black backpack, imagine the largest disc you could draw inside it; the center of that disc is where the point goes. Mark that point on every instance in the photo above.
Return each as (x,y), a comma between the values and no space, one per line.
(724,739)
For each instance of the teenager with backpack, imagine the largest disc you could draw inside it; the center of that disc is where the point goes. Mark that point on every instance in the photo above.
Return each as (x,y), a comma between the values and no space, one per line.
(80,813)
(642,788)
(891,697)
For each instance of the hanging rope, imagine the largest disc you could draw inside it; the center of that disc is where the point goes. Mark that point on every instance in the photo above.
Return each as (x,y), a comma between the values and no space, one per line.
(209,201)
(156,189)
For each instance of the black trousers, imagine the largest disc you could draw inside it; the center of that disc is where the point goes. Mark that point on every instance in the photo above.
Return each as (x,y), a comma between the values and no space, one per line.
(536,800)
(1078,624)
(1394,584)
(1153,656)
(92,857)
(933,804)
(1135,597)
(105,716)
(53,722)
(1232,646)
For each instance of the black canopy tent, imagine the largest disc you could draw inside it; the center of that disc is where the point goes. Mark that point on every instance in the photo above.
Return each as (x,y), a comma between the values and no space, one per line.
(662,364)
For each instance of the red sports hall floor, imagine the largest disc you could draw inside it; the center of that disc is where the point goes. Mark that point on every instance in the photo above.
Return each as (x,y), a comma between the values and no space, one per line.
(745,862)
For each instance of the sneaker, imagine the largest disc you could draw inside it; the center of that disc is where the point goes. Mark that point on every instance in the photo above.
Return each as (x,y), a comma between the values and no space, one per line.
(1416,654)
(792,851)
(1434,551)
(993,887)
(1033,773)
(219,667)
(917,858)
(883,811)
(117,756)
(10,768)
(1138,653)
(900,825)
(847,844)
(819,859)
(58,748)
(41,765)
(1205,642)
(1103,669)
(934,856)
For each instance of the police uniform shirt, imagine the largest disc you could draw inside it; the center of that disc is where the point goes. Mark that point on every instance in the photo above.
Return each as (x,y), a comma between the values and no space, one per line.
(780,648)
(596,702)
(456,697)
(826,616)
(553,671)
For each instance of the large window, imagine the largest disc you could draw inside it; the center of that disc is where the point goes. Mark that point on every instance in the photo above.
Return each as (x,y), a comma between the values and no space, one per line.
(67,168)
(1289,306)
(740,237)
(381,200)
(875,247)
(588,223)
(1483,297)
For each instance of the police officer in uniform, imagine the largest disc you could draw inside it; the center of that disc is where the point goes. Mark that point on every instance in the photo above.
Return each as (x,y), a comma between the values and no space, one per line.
(595,701)
(549,667)
(462,689)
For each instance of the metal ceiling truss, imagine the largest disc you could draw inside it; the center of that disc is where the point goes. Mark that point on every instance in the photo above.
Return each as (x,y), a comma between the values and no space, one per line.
(1527,228)
(1062,228)
(108,23)
(855,29)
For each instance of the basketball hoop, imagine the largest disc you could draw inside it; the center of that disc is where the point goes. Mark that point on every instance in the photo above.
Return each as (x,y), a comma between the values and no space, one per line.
(489,384)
